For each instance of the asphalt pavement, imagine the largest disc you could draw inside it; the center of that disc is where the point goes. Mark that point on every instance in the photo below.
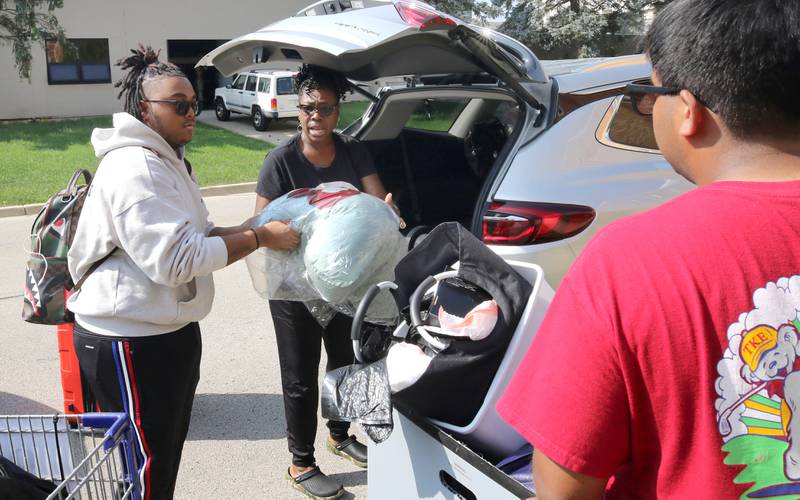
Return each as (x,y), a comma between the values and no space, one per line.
(236,448)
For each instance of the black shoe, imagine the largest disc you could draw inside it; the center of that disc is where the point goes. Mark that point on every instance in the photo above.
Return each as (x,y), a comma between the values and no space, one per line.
(316,485)
(350,449)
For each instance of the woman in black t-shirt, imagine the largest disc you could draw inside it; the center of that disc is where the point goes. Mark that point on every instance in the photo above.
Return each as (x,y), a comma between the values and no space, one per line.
(317,154)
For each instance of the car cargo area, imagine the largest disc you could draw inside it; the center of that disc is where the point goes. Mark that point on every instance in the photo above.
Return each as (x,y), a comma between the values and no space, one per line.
(435,149)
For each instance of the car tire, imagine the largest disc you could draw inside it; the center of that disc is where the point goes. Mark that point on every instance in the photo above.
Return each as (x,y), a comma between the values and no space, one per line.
(260,122)
(223,113)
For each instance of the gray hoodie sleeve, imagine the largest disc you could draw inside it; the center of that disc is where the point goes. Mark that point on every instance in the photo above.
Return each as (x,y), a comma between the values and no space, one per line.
(166,240)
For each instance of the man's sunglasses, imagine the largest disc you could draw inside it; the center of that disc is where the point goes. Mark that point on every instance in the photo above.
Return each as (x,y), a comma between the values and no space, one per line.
(324,111)
(643,97)
(181,107)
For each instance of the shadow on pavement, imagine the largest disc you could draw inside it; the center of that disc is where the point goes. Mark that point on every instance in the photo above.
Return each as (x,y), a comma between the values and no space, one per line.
(350,479)
(249,417)
(12,404)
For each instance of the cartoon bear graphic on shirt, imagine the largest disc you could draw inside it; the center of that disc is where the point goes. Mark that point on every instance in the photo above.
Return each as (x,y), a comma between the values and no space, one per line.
(758,408)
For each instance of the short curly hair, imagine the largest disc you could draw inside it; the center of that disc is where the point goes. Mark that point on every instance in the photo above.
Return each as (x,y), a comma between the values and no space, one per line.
(311,77)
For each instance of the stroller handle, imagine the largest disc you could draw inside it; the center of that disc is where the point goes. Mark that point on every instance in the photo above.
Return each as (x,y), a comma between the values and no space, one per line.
(361,311)
(416,300)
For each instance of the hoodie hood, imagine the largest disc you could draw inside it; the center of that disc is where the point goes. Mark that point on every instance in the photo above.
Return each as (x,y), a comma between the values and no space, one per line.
(128,131)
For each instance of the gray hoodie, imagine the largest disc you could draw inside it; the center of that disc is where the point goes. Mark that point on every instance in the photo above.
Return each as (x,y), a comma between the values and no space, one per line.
(144,203)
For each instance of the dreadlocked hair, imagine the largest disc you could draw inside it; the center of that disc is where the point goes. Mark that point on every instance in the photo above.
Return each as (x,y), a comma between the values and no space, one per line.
(311,77)
(143,65)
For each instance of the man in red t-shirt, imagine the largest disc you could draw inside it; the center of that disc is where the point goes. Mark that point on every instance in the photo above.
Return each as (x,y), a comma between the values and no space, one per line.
(666,366)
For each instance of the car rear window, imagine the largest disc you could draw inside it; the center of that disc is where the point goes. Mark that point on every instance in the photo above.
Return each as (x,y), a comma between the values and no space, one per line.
(629,128)
(285,86)
(436,115)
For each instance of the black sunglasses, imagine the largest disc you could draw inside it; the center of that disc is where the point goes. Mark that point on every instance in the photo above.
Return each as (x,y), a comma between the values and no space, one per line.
(181,107)
(643,97)
(324,111)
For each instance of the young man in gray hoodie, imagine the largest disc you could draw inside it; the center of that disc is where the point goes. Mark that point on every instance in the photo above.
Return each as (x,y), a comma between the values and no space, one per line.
(136,332)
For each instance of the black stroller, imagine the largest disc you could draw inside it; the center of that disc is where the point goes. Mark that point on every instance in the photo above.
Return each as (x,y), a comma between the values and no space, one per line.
(452,391)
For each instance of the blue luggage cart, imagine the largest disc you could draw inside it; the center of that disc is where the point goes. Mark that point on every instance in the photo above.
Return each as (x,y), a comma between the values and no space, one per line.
(87,457)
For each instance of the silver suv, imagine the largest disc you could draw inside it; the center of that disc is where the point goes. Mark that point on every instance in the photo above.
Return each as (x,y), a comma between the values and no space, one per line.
(532,156)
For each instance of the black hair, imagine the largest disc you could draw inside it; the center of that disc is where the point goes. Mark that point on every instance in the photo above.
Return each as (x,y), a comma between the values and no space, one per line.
(143,65)
(741,58)
(311,77)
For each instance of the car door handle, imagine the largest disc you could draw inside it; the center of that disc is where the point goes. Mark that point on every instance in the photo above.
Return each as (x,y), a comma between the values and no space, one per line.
(252,93)
(241,92)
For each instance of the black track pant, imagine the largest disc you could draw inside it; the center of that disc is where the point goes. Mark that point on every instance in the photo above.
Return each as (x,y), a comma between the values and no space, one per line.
(153,380)
(299,349)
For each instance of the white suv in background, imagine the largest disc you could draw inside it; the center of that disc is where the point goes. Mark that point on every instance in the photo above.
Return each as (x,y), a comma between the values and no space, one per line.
(263,95)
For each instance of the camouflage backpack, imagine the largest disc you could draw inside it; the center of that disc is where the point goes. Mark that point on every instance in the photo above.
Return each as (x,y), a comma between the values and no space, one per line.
(48,283)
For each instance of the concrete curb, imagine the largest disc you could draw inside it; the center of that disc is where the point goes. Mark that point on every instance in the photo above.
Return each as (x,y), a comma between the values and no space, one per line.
(208,191)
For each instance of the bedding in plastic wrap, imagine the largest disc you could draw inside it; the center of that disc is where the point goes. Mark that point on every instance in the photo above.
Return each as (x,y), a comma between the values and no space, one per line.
(349,242)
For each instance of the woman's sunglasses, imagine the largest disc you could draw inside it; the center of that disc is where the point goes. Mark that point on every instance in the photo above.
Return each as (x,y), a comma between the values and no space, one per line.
(181,107)
(324,111)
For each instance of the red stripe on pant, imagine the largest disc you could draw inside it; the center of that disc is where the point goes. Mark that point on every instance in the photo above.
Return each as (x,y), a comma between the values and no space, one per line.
(138,417)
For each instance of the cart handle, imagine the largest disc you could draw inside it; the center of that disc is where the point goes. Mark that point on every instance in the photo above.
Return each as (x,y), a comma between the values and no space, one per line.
(114,423)
(361,311)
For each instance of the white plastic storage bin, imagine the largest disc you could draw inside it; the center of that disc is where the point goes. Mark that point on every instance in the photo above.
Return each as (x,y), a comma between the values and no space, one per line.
(420,461)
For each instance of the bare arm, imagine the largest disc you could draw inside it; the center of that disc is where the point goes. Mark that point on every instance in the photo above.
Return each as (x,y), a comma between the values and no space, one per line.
(373,185)
(554,482)
(261,204)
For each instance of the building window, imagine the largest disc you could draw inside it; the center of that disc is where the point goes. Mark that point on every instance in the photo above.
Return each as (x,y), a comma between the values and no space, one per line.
(81,60)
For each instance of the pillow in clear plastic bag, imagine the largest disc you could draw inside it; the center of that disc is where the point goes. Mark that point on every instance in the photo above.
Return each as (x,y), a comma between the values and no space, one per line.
(349,242)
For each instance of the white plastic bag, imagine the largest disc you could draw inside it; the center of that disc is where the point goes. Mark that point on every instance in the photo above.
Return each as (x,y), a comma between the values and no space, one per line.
(349,242)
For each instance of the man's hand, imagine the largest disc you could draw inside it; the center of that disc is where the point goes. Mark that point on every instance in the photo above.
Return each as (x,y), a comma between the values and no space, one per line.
(277,235)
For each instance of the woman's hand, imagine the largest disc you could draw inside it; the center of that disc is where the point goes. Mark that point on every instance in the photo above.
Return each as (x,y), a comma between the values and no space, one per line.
(277,235)
(389,201)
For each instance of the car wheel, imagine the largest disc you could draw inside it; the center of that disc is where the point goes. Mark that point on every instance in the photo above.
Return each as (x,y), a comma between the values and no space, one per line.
(260,122)
(223,113)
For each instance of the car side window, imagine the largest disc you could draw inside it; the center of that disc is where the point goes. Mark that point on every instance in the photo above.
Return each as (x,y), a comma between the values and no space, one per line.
(251,83)
(285,86)
(263,85)
(436,115)
(629,128)
(238,84)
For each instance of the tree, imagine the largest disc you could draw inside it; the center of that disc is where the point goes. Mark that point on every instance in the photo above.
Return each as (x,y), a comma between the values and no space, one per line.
(25,22)
(576,27)
(582,25)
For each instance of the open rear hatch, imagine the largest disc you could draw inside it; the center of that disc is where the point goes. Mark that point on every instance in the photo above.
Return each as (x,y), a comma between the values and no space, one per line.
(371,39)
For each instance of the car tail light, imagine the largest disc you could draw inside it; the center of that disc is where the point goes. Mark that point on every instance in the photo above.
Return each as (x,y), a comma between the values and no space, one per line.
(522,223)
(421,17)
(274,104)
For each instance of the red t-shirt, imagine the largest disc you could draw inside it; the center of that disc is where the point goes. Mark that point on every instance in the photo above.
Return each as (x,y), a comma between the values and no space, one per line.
(664,324)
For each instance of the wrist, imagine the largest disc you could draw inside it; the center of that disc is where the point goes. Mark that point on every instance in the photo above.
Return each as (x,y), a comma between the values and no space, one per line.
(256,237)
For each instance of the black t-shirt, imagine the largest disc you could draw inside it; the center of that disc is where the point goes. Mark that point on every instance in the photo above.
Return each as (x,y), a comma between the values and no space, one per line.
(286,168)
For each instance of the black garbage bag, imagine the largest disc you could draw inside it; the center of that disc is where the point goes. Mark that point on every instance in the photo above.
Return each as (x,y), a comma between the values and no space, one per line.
(360,393)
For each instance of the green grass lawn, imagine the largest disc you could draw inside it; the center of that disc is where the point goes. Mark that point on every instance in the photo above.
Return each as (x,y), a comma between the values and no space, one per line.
(38,158)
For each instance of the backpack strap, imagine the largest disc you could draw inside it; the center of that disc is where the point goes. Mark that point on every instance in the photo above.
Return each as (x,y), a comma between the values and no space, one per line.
(92,269)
